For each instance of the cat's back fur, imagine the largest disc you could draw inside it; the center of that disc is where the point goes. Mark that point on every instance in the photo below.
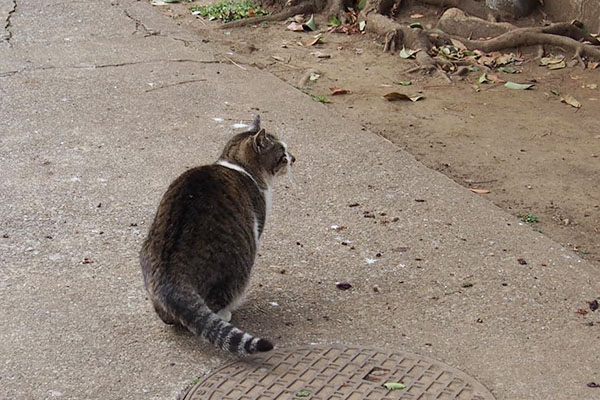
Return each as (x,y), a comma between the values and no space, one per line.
(200,249)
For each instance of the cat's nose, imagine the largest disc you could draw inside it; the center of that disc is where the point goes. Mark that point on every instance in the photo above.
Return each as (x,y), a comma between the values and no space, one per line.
(292,159)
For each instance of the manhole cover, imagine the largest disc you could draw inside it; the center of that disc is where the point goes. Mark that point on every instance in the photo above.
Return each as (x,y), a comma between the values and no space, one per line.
(339,372)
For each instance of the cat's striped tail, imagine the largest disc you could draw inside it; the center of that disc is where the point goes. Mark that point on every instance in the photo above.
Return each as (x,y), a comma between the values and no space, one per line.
(197,317)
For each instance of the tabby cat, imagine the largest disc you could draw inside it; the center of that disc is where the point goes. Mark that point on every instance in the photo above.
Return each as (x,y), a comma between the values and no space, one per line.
(197,258)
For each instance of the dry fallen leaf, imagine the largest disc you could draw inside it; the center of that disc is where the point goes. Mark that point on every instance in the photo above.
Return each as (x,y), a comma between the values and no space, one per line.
(319,54)
(335,91)
(312,41)
(570,100)
(559,65)
(417,16)
(546,61)
(458,44)
(495,78)
(395,96)
(480,191)
(593,65)
(295,26)
(343,285)
(504,59)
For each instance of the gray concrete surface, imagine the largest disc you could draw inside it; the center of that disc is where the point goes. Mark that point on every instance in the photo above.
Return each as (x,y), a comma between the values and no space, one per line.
(104,102)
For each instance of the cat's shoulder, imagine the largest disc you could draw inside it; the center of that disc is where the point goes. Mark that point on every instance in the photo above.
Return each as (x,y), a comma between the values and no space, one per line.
(208,177)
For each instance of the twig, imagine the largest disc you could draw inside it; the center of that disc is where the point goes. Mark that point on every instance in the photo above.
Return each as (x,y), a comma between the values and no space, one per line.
(175,84)
(234,63)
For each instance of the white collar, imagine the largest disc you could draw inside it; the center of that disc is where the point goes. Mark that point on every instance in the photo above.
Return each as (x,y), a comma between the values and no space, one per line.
(236,167)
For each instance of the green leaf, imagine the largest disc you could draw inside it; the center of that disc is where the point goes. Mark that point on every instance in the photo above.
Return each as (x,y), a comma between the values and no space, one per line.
(404,83)
(228,10)
(362,4)
(544,61)
(555,92)
(507,70)
(335,21)
(519,86)
(321,99)
(483,79)
(559,65)
(472,69)
(310,24)
(394,386)
(407,53)
(416,25)
(303,393)
(439,31)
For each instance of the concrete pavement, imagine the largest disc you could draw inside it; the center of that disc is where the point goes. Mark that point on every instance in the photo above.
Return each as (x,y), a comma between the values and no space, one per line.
(103,103)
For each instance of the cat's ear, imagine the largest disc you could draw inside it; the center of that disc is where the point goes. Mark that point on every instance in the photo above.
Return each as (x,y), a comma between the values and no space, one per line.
(260,141)
(255,127)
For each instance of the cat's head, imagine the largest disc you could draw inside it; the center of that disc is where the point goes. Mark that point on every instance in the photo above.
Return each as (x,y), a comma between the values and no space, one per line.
(259,152)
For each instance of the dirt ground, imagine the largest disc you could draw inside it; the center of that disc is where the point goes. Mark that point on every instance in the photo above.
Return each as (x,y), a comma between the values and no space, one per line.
(538,157)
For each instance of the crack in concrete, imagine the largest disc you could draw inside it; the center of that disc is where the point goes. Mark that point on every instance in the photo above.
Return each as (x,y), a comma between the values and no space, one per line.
(7,34)
(9,73)
(123,64)
(112,65)
(139,24)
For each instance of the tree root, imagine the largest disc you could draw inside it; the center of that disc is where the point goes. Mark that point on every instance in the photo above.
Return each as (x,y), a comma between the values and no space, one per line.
(477,9)
(397,35)
(331,8)
(563,35)
(523,37)
(456,22)
(305,7)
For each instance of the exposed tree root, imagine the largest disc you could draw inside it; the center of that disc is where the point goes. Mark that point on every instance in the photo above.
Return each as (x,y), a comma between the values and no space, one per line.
(330,8)
(564,35)
(477,9)
(531,37)
(306,7)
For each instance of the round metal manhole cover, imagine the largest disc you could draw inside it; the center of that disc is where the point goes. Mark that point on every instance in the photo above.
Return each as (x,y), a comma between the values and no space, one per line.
(339,372)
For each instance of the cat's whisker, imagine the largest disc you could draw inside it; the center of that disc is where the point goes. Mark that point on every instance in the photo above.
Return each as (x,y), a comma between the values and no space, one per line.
(290,175)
